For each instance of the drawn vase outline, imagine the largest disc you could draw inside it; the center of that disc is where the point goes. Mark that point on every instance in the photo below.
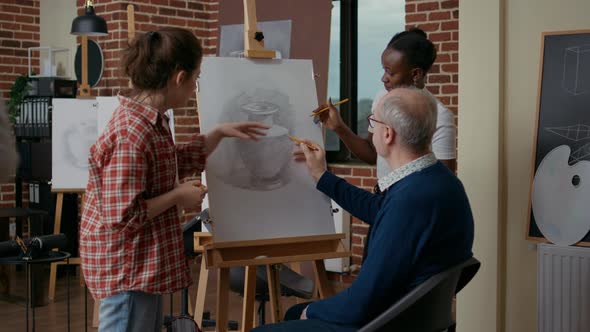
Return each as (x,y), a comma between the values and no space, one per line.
(268,158)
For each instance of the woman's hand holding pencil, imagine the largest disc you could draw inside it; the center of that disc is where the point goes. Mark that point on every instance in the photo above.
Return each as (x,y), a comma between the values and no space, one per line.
(329,116)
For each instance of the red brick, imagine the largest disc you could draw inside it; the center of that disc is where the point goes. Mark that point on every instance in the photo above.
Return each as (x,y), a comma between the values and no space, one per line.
(450,67)
(439,37)
(441,58)
(450,46)
(450,25)
(30,11)
(414,18)
(27,44)
(167,11)
(357,250)
(25,36)
(435,69)
(360,229)
(10,26)
(28,27)
(195,6)
(357,240)
(10,9)
(450,4)
(356,260)
(342,171)
(6,34)
(369,183)
(10,43)
(456,14)
(410,8)
(427,6)
(354,181)
(159,2)
(7,188)
(185,13)
(361,172)
(455,57)
(146,9)
(439,16)
(434,89)
(178,4)
(456,78)
(439,79)
(447,89)
(446,100)
(455,100)
(430,27)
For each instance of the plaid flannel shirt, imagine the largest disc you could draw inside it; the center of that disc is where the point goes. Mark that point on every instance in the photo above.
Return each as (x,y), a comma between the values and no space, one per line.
(135,159)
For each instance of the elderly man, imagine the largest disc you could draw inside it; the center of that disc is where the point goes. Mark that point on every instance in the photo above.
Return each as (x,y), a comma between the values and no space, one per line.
(421,222)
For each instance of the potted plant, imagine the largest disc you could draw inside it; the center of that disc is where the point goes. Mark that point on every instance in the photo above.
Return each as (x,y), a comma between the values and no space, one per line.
(19,89)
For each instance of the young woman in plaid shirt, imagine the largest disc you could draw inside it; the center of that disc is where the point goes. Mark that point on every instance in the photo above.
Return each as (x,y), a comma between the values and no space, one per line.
(130,236)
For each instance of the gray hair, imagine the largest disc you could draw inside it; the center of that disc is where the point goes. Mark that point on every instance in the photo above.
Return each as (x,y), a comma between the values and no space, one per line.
(412,113)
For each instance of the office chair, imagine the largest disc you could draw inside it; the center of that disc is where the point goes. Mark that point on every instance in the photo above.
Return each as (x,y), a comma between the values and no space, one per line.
(427,308)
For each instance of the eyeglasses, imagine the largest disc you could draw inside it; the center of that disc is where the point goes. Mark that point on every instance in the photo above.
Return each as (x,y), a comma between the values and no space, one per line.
(372,121)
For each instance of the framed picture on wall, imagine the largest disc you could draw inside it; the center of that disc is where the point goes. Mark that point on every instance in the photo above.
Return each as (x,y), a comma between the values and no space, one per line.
(560,183)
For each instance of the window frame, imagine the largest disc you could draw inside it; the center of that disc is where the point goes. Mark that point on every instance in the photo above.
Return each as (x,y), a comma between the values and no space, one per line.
(348,74)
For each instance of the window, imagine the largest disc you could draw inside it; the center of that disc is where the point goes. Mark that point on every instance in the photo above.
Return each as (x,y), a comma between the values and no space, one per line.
(359,33)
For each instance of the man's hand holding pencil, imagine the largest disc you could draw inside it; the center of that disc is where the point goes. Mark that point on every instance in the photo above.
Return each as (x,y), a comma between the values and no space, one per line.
(314,157)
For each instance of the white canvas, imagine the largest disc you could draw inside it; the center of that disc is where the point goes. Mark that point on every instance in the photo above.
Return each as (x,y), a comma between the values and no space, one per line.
(277,37)
(256,190)
(74,130)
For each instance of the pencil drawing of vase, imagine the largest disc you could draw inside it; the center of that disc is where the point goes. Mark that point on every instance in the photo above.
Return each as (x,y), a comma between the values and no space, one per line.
(267,159)
(78,139)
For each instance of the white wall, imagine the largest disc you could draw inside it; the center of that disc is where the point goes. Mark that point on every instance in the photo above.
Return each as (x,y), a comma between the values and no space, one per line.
(499,47)
(55,23)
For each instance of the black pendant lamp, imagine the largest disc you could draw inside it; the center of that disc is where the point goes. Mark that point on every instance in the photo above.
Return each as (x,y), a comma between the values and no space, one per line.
(89,24)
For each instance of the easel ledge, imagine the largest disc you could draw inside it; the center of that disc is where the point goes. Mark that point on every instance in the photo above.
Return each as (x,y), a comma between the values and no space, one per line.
(275,251)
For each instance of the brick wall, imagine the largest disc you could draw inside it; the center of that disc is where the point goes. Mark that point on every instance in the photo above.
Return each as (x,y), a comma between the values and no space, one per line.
(19,30)
(199,16)
(440,19)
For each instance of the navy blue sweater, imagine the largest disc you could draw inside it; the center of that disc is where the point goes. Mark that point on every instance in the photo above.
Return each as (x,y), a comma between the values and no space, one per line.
(419,227)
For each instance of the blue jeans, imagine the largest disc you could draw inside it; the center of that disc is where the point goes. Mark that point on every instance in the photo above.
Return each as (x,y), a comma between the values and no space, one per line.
(130,312)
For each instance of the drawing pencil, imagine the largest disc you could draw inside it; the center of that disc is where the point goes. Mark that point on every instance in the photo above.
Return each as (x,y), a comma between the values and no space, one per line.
(327,108)
(310,146)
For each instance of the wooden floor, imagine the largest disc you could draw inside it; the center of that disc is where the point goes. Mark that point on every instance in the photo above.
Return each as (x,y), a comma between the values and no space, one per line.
(53,316)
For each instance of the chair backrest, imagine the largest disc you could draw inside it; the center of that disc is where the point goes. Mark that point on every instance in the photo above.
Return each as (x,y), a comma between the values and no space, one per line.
(427,307)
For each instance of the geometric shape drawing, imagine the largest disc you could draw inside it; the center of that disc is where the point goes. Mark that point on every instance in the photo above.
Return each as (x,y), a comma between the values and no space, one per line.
(560,197)
(73,132)
(256,189)
(582,153)
(574,133)
(576,69)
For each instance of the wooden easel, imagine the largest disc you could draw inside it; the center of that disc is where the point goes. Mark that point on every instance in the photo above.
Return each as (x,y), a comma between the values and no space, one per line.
(272,253)
(56,230)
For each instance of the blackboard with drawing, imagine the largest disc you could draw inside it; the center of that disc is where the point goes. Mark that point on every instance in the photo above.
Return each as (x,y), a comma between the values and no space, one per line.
(560,187)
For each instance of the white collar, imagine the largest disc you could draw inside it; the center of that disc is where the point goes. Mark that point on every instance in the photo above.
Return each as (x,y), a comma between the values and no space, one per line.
(413,166)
